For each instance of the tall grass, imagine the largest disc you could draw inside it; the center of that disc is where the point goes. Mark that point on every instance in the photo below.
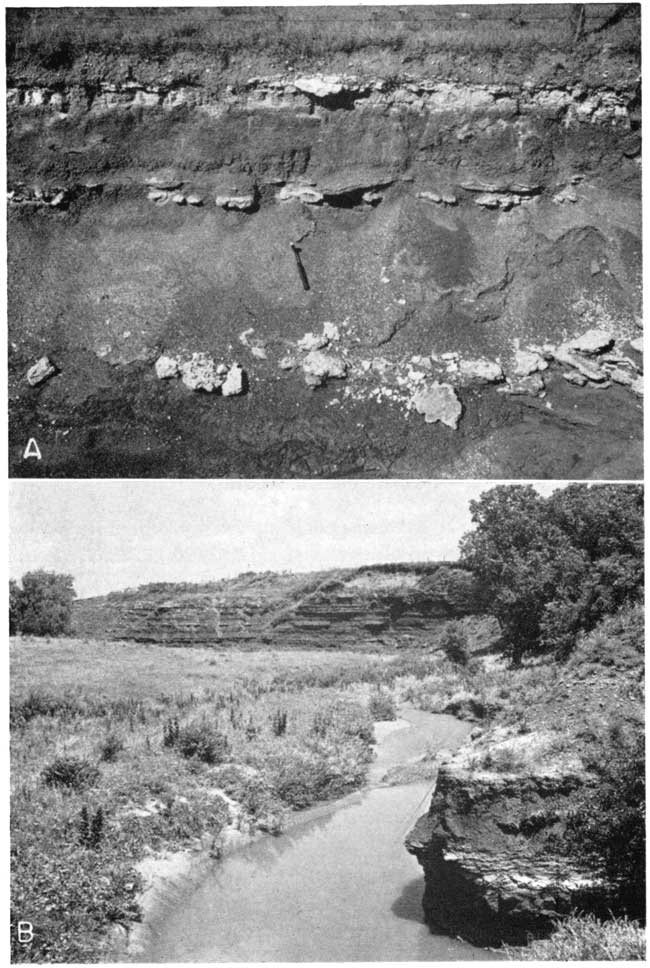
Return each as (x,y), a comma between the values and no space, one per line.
(586,938)
(55,39)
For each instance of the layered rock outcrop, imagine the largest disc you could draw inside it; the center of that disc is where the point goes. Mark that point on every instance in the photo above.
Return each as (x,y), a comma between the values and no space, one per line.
(488,848)
(345,610)
(497,864)
(423,211)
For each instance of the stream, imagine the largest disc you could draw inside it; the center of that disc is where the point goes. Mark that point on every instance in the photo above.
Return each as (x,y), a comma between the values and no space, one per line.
(338,885)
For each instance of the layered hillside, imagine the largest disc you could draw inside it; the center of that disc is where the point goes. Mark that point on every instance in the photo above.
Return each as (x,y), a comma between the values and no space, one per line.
(391,606)
(289,243)
(496,860)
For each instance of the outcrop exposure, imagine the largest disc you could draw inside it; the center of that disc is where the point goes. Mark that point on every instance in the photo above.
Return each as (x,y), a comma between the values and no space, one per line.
(368,263)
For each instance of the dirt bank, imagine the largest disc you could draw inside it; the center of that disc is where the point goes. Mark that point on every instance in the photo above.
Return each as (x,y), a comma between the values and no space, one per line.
(492,845)
(380,272)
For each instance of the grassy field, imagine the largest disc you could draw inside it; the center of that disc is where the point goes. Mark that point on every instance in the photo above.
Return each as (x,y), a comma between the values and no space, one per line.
(119,750)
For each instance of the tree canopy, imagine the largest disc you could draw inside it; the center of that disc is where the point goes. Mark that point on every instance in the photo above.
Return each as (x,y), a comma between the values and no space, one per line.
(548,568)
(43,605)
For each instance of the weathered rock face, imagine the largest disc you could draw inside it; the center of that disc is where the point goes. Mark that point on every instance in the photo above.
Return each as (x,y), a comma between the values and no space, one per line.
(433,215)
(344,610)
(492,872)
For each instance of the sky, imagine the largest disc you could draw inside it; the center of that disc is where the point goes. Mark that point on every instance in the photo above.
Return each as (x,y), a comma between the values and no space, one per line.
(111,535)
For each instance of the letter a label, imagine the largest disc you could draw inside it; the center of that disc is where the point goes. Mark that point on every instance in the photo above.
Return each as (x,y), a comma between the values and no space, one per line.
(32,450)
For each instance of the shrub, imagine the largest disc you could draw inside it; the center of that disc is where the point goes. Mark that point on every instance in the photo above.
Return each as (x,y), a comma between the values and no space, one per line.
(91,830)
(382,706)
(585,938)
(454,644)
(203,741)
(71,772)
(279,722)
(171,732)
(43,606)
(110,746)
(607,826)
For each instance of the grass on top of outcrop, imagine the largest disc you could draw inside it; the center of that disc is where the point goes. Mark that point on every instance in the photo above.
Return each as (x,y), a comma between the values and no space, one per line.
(55,40)
(120,749)
(585,938)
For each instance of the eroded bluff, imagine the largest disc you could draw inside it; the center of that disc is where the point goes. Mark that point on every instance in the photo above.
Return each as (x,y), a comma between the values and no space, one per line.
(400,606)
(493,871)
(424,252)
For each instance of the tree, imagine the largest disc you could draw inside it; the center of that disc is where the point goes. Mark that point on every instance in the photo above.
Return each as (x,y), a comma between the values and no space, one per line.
(43,606)
(606,828)
(548,568)
(15,607)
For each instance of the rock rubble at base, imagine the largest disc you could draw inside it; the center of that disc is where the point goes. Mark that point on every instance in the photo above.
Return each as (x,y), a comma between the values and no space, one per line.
(202,372)
(41,371)
(439,403)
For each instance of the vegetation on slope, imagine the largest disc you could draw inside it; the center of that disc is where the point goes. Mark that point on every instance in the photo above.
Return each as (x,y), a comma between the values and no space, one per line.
(450,40)
(169,749)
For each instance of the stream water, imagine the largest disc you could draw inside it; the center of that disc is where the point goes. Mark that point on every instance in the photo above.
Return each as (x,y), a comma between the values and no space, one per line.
(337,886)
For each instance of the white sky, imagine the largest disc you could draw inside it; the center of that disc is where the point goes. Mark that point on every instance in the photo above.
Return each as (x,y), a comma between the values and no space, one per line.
(116,534)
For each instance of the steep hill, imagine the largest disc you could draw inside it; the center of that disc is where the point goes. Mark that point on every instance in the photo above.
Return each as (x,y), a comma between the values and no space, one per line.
(386,605)
(238,237)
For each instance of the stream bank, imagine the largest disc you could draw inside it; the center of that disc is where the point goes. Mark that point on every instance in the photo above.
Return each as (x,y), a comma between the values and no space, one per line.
(336,886)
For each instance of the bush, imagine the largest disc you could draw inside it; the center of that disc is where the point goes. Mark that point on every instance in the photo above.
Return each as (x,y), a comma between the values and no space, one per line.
(454,644)
(203,741)
(43,606)
(70,772)
(382,706)
(607,826)
(279,722)
(585,938)
(110,746)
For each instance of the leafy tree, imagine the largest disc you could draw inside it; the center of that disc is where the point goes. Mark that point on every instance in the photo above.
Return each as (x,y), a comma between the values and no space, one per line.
(43,606)
(607,826)
(15,607)
(454,644)
(548,568)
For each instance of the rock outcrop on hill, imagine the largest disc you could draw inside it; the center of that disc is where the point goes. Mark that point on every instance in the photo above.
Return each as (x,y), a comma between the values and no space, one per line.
(399,605)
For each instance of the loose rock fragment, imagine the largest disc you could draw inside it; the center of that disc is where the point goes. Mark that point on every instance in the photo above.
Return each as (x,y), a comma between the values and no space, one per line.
(324,86)
(42,370)
(439,403)
(481,371)
(313,341)
(234,384)
(564,354)
(593,341)
(577,379)
(527,362)
(202,373)
(240,203)
(167,179)
(167,367)
(301,193)
(532,385)
(332,332)
(637,344)
(319,367)
(194,200)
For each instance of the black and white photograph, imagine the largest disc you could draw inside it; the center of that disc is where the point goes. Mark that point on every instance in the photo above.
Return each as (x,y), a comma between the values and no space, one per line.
(325,242)
(325,483)
(327,722)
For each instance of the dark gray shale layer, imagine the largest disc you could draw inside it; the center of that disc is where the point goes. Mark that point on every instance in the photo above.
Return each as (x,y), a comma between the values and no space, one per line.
(373,239)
